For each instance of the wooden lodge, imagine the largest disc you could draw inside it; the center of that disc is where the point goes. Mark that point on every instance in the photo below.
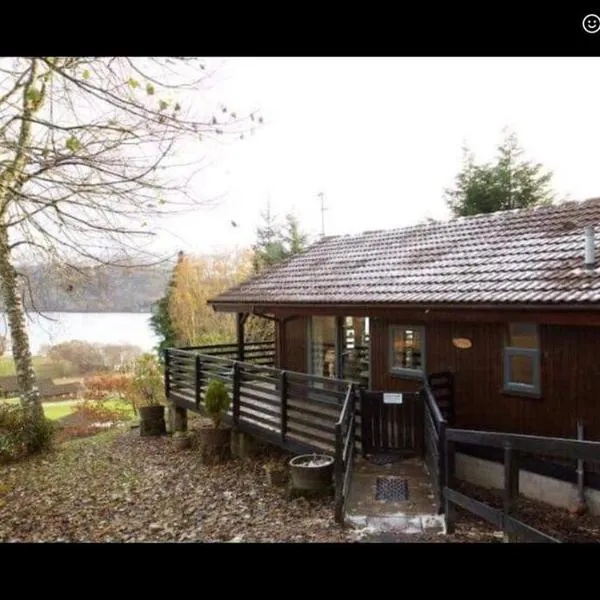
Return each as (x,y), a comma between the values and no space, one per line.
(488,323)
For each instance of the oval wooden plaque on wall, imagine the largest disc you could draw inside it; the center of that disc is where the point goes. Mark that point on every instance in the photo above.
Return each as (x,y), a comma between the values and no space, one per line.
(462,343)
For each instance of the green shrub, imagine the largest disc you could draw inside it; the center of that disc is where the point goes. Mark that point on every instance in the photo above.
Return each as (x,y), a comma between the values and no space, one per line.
(20,436)
(147,383)
(39,435)
(216,401)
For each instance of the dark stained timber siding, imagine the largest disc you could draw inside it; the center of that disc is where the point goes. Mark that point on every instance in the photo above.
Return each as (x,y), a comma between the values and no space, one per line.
(381,379)
(294,354)
(570,376)
(278,348)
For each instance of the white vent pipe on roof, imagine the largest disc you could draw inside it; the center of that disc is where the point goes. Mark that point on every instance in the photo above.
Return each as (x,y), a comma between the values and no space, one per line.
(590,247)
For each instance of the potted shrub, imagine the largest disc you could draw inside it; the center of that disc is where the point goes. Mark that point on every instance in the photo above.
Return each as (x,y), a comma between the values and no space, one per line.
(215,442)
(148,395)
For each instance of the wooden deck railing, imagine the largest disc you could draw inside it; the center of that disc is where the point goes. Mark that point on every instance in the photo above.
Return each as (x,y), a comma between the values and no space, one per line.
(434,446)
(262,353)
(513,445)
(344,452)
(296,411)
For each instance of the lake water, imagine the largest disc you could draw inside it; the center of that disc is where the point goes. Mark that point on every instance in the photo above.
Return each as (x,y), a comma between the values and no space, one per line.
(103,328)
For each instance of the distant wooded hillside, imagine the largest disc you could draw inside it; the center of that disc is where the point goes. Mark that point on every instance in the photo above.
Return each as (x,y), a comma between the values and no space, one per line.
(94,289)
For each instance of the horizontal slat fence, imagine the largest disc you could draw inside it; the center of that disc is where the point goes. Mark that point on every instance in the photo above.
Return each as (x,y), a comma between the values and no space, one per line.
(513,446)
(295,410)
(261,353)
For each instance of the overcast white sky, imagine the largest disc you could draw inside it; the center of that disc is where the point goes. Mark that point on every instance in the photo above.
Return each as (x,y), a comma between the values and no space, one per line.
(382,137)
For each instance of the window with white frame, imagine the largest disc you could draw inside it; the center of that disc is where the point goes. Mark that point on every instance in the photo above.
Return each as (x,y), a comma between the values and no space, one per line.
(522,359)
(407,350)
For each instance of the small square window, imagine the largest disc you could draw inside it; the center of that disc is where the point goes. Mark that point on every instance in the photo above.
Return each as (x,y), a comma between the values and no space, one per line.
(521,369)
(522,359)
(522,335)
(407,350)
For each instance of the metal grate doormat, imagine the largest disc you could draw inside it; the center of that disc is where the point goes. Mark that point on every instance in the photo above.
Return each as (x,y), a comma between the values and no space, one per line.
(383,459)
(391,488)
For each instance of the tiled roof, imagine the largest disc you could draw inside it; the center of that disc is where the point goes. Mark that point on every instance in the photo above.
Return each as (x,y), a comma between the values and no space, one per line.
(519,256)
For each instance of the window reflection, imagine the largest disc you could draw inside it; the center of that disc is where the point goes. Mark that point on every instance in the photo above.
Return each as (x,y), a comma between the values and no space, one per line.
(354,351)
(323,346)
(407,348)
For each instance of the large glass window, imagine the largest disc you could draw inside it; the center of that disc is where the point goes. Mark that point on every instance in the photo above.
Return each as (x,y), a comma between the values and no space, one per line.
(322,346)
(407,350)
(355,350)
(522,358)
(333,339)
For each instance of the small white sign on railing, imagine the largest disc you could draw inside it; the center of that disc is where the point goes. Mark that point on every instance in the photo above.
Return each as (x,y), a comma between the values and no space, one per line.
(392,398)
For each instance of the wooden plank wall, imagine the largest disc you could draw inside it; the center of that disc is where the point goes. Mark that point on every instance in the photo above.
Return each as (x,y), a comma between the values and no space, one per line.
(570,372)
(295,345)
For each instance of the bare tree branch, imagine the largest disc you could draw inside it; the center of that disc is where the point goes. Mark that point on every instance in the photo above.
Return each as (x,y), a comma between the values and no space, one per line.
(94,152)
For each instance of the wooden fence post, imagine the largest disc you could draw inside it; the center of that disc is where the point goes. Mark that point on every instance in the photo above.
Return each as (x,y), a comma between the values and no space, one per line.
(581,504)
(283,397)
(180,420)
(198,380)
(167,374)
(339,474)
(511,486)
(449,507)
(441,478)
(237,383)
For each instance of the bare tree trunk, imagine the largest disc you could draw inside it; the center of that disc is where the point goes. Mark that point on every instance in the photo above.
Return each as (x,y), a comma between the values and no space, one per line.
(29,392)
(86,144)
(13,303)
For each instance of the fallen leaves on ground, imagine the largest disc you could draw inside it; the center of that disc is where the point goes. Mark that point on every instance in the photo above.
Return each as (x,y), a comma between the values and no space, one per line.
(118,486)
(556,522)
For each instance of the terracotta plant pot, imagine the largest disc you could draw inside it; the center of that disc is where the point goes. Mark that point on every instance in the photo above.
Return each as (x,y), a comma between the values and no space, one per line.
(152,420)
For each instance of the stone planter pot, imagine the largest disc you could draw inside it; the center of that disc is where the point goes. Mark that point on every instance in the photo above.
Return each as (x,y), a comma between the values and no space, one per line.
(312,472)
(214,444)
(152,420)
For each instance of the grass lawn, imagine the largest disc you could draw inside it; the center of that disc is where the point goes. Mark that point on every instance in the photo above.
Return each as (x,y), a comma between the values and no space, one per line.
(116,403)
(59,409)
(43,367)
(52,410)
(55,411)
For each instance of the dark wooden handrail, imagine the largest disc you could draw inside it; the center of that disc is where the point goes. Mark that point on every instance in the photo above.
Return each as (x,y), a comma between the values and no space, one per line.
(344,452)
(436,464)
(432,405)
(513,445)
(318,379)
(292,375)
(548,446)
(347,404)
(232,345)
